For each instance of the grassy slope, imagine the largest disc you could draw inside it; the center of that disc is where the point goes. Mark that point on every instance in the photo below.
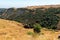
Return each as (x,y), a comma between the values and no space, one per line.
(11,30)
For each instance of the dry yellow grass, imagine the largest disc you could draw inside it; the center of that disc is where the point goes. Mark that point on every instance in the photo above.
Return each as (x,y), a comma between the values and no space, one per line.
(43,6)
(11,30)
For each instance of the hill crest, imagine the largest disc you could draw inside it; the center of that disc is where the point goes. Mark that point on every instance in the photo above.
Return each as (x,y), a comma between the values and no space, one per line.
(43,6)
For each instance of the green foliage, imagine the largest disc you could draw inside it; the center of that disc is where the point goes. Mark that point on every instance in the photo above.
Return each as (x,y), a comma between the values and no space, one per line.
(37,28)
(30,33)
(53,10)
(47,18)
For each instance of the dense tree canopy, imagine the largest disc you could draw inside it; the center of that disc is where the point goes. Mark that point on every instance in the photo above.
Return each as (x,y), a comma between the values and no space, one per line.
(47,17)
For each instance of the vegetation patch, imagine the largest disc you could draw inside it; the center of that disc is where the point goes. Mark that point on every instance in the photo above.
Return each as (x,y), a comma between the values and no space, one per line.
(30,33)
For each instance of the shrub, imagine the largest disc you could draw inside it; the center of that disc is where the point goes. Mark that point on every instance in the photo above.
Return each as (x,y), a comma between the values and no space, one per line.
(30,33)
(28,26)
(58,37)
(37,28)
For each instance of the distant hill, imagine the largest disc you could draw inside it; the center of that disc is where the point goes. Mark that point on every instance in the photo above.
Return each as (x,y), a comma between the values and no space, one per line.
(7,13)
(23,14)
(44,6)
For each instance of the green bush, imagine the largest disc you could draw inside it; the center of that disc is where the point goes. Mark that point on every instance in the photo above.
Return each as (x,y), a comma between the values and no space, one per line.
(37,28)
(30,33)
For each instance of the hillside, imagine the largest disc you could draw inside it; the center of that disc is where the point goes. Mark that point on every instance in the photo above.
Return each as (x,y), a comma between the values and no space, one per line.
(10,12)
(43,6)
(11,30)
(47,15)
